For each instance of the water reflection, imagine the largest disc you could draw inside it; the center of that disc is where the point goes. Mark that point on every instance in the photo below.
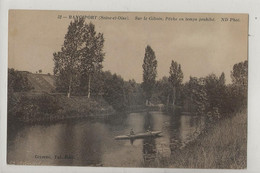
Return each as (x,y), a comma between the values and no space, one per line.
(148,121)
(149,147)
(65,130)
(91,143)
(174,132)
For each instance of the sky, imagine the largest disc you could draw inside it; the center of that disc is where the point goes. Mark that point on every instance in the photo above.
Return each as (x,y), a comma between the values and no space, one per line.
(201,47)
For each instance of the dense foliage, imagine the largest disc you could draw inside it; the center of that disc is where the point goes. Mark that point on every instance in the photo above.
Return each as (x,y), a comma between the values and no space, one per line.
(149,73)
(78,70)
(18,81)
(207,95)
(81,56)
(118,93)
(175,79)
(31,106)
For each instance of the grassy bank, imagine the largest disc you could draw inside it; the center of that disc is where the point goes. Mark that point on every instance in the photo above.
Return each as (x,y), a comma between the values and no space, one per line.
(39,107)
(223,146)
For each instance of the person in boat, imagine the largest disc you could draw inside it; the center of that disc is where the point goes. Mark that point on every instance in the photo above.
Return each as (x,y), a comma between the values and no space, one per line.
(148,130)
(132,132)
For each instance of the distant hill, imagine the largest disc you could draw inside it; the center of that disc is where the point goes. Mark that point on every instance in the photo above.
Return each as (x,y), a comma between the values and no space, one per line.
(41,82)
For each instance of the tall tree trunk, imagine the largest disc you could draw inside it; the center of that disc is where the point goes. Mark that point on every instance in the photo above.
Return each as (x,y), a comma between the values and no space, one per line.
(89,78)
(174,96)
(69,93)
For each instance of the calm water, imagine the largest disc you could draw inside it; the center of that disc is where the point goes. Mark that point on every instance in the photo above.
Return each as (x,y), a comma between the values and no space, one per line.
(91,143)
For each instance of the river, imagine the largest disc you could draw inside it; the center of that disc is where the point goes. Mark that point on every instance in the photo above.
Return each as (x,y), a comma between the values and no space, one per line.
(91,143)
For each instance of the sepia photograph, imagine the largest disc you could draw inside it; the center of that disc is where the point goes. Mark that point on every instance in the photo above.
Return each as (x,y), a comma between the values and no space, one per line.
(127,89)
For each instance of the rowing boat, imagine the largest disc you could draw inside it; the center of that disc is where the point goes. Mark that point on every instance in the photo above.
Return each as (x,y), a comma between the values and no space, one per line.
(139,135)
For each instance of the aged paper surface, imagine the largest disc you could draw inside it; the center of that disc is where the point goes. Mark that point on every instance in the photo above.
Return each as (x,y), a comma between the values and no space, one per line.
(119,89)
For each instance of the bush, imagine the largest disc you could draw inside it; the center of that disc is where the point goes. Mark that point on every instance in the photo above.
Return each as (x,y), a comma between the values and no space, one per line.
(18,81)
(35,106)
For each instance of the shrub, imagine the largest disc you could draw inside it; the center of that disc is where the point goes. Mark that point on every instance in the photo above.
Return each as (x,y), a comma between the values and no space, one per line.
(35,105)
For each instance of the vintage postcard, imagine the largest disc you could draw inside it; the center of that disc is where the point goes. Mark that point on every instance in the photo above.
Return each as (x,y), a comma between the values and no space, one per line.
(127,89)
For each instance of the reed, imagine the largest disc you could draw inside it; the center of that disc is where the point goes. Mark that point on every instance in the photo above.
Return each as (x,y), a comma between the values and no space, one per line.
(223,146)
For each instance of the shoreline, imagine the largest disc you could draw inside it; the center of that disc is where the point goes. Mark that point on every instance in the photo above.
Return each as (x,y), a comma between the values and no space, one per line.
(31,107)
(223,145)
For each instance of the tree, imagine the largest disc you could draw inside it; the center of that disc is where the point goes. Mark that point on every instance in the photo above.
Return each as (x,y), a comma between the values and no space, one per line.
(18,81)
(196,95)
(80,57)
(175,78)
(216,92)
(66,61)
(149,73)
(113,90)
(163,87)
(222,79)
(92,54)
(239,76)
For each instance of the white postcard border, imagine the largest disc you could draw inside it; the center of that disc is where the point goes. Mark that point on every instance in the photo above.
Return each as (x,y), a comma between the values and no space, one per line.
(211,6)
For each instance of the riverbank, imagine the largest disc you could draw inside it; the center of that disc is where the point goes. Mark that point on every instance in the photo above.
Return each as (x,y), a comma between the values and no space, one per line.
(222,146)
(43,107)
